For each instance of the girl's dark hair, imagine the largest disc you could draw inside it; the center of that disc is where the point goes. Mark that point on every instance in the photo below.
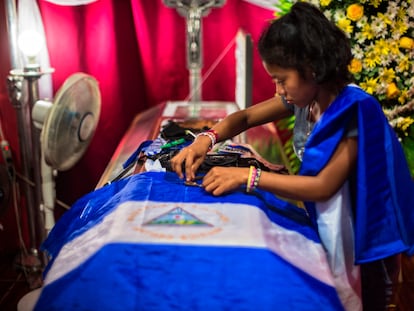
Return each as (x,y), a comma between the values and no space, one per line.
(305,39)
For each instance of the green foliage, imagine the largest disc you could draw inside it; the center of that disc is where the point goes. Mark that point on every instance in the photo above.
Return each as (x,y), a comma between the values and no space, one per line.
(408,145)
(287,125)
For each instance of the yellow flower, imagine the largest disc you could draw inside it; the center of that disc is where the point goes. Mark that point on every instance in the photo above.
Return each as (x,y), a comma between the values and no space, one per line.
(355,66)
(381,47)
(401,13)
(375,3)
(404,64)
(392,91)
(406,43)
(387,75)
(385,19)
(394,47)
(345,25)
(369,85)
(400,27)
(368,32)
(372,59)
(325,2)
(404,124)
(355,12)
(404,96)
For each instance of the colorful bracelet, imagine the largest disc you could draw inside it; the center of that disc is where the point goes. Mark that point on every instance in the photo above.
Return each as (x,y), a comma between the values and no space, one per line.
(253,179)
(250,179)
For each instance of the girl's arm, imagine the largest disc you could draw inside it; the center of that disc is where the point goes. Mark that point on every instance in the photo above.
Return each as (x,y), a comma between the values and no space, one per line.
(261,113)
(303,188)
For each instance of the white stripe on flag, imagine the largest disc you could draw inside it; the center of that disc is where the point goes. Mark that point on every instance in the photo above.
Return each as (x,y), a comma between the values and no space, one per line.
(219,224)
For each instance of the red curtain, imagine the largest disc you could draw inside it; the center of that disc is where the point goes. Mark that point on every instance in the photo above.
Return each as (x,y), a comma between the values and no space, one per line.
(98,39)
(136,49)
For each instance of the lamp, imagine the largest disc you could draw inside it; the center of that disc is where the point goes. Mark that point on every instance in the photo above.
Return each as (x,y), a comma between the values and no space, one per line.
(30,43)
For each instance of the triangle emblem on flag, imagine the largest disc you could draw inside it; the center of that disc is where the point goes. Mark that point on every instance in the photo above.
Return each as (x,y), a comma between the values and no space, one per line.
(177,217)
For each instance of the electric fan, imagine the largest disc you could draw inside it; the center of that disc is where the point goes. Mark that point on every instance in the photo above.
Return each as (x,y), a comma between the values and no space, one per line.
(67,127)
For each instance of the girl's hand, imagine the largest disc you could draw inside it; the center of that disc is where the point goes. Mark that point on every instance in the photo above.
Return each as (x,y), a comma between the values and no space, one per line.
(220,180)
(192,156)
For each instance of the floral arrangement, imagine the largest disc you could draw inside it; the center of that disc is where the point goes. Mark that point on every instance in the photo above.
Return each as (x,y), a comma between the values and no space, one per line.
(381,34)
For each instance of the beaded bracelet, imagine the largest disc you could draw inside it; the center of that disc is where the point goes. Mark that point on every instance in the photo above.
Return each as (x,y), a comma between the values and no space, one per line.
(257,178)
(209,135)
(214,132)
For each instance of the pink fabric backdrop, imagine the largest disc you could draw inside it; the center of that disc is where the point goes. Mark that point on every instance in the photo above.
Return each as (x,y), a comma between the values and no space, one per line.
(136,50)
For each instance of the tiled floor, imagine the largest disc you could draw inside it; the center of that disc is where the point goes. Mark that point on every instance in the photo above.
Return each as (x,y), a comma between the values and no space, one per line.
(15,283)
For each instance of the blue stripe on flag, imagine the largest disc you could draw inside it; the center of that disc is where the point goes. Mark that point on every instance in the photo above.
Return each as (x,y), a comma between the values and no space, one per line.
(170,277)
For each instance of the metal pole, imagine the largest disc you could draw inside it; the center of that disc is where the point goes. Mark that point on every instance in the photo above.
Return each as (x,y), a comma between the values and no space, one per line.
(15,86)
(194,52)
(29,261)
(33,96)
(11,20)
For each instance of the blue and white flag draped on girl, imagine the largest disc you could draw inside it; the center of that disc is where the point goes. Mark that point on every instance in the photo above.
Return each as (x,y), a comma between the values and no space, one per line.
(383,188)
(149,242)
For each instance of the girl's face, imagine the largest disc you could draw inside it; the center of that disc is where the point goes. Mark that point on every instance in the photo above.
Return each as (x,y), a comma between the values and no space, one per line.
(291,85)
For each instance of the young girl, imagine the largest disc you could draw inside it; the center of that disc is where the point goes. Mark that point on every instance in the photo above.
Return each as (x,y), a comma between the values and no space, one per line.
(354,177)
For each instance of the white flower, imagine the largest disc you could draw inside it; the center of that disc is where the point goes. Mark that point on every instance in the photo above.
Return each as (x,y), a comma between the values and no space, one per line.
(357,51)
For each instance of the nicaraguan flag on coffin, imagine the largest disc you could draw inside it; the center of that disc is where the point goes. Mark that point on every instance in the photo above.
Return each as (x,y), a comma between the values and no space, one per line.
(149,242)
